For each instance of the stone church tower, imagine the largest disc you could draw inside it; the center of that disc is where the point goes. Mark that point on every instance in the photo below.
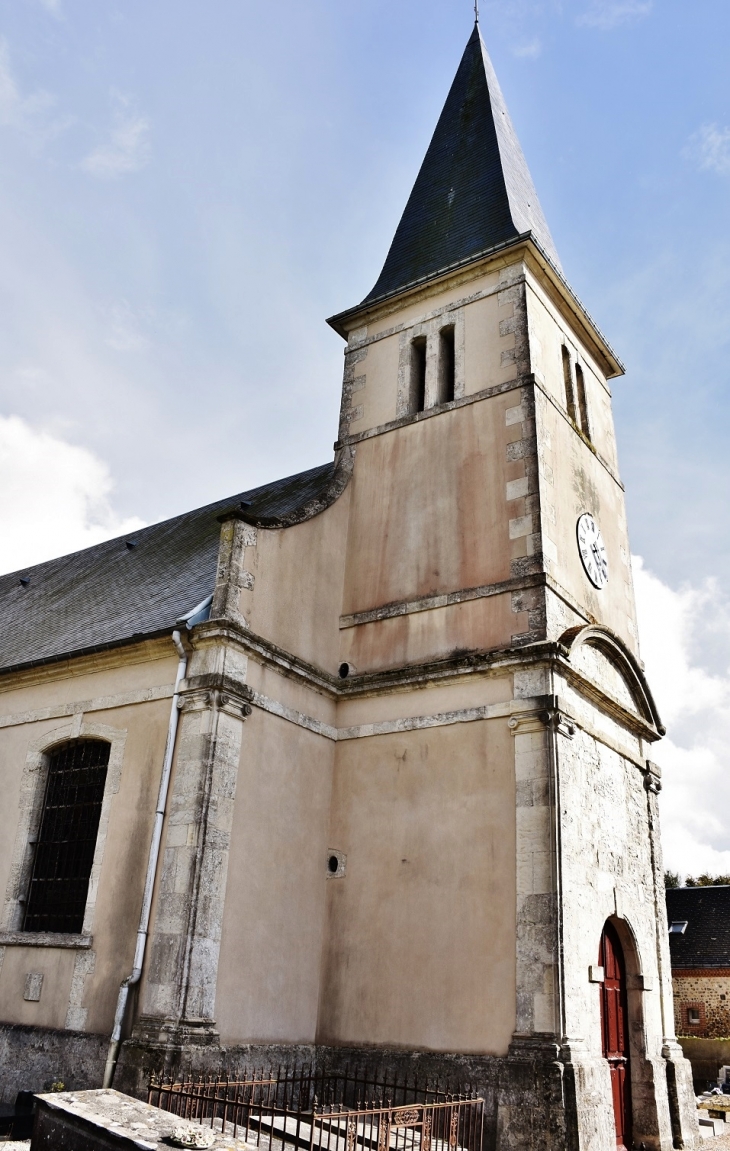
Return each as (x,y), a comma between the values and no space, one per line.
(410,810)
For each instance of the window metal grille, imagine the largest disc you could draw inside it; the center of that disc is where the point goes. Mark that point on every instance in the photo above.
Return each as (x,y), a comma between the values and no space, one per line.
(64,852)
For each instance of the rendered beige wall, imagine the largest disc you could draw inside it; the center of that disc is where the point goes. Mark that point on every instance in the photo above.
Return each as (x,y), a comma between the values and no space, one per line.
(298,574)
(268,976)
(383,345)
(420,946)
(451,293)
(57,968)
(125,856)
(144,728)
(549,331)
(428,510)
(415,638)
(580,483)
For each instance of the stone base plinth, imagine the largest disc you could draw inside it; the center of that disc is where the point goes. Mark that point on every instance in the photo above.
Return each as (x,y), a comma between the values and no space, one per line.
(107,1120)
(538,1097)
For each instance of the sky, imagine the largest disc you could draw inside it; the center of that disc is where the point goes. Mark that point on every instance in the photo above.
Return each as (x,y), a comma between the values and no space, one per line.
(189,190)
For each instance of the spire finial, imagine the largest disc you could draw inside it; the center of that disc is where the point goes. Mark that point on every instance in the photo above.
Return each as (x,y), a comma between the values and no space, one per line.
(476,11)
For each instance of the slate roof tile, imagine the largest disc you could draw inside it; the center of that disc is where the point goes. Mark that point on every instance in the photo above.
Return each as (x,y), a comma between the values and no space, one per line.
(474,191)
(706,942)
(110,594)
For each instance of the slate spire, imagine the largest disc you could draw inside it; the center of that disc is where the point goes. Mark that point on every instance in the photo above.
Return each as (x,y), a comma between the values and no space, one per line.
(474,190)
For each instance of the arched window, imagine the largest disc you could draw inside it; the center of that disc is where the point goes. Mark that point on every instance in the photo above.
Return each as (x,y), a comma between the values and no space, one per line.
(64,852)
(418,374)
(582,401)
(568,380)
(447,364)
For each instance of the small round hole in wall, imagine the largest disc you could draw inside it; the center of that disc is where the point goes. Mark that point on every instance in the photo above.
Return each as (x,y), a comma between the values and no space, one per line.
(344,670)
(333,864)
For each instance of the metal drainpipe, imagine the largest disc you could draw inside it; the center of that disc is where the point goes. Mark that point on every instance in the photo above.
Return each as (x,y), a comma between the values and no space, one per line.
(144,919)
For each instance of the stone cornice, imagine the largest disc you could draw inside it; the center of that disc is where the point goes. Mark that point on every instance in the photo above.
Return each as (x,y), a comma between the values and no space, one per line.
(449,670)
(626,663)
(437,410)
(523,381)
(398,608)
(81,707)
(216,631)
(442,599)
(344,463)
(134,650)
(523,247)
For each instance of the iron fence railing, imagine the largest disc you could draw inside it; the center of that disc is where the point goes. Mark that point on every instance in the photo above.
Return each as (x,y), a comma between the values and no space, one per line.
(327,1111)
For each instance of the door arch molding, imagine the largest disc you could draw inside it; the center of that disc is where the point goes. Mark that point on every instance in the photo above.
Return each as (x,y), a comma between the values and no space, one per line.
(616,1032)
(638,1069)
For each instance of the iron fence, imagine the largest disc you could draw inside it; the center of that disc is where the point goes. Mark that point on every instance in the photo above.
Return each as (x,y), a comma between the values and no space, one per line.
(327,1111)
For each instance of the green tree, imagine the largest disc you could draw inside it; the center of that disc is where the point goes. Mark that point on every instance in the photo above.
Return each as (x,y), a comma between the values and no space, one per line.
(671,879)
(706,880)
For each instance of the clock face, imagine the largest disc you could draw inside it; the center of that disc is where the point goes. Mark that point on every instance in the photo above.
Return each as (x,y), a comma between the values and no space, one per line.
(592,550)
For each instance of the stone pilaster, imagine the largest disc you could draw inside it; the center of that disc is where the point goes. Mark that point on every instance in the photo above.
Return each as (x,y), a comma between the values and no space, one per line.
(231,575)
(679,1087)
(180,985)
(537,909)
(177,1000)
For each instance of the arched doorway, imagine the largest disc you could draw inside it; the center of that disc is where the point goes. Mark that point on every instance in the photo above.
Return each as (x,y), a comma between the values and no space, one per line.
(615,1030)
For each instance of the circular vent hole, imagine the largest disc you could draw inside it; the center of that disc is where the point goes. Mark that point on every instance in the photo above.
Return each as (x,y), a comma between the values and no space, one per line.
(344,670)
(333,863)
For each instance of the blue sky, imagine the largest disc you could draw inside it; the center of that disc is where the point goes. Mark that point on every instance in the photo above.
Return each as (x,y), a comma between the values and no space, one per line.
(188,191)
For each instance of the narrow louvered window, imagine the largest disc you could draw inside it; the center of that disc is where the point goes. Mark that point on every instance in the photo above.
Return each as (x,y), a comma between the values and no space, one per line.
(582,401)
(447,364)
(568,380)
(66,843)
(418,374)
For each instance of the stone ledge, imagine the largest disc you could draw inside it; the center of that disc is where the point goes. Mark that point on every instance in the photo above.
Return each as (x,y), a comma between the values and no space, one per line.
(87,1120)
(45,939)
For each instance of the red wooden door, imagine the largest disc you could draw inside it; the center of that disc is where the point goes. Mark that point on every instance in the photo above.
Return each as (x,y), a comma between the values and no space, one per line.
(615,1031)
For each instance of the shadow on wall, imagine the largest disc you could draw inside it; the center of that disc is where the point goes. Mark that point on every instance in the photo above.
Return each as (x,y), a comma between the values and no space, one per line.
(707,1056)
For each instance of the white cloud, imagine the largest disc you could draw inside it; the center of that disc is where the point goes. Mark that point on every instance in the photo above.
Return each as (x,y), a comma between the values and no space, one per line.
(529,51)
(128,147)
(27,113)
(55,497)
(709,148)
(127,328)
(53,6)
(607,14)
(682,632)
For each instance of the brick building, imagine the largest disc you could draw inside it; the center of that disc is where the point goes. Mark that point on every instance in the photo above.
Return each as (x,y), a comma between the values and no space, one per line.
(699,944)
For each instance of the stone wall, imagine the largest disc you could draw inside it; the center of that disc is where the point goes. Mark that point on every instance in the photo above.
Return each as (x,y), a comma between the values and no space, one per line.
(707,1056)
(34,1058)
(707,993)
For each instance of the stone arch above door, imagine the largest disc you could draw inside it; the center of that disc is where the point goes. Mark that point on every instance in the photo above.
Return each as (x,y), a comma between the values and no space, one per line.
(601,657)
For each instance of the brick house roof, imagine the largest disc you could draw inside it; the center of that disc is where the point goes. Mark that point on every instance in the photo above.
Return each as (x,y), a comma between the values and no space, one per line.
(706,941)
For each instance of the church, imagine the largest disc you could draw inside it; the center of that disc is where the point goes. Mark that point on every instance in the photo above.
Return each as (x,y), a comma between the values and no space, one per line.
(359,761)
